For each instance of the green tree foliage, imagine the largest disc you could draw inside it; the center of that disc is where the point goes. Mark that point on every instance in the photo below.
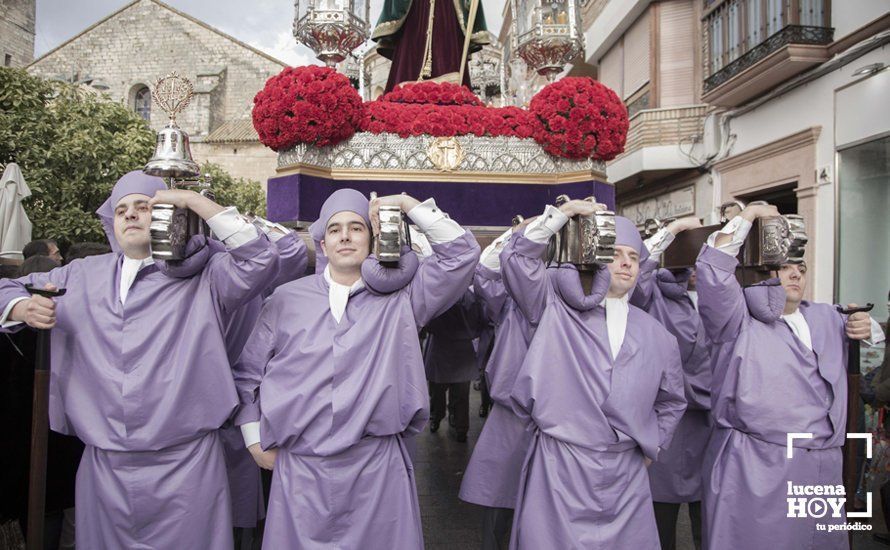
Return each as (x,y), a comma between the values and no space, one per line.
(72,145)
(247,195)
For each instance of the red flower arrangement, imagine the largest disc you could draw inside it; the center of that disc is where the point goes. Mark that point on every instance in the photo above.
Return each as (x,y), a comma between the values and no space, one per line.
(446,120)
(577,117)
(311,104)
(435,93)
(573,118)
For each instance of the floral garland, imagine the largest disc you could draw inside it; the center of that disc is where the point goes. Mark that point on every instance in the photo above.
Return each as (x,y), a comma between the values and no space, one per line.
(446,120)
(573,117)
(435,93)
(311,104)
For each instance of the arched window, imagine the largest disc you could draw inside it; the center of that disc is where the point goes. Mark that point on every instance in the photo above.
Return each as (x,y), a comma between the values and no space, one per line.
(142,102)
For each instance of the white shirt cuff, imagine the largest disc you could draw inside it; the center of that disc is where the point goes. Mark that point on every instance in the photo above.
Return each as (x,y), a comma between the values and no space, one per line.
(546,225)
(738,227)
(491,256)
(271,229)
(231,228)
(434,223)
(3,318)
(659,242)
(877,335)
(251,433)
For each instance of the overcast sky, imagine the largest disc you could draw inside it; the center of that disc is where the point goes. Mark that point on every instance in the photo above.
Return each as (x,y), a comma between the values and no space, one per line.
(264,24)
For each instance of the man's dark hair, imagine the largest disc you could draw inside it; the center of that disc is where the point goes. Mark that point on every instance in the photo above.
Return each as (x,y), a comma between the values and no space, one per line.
(82,250)
(37,248)
(37,264)
(9,271)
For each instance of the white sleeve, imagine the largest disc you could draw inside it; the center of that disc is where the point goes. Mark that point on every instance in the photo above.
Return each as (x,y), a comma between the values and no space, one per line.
(491,256)
(546,225)
(271,229)
(3,318)
(738,227)
(433,223)
(231,228)
(877,335)
(659,242)
(251,433)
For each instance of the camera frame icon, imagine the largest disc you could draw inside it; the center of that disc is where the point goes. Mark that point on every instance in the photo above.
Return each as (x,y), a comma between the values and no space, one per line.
(789,453)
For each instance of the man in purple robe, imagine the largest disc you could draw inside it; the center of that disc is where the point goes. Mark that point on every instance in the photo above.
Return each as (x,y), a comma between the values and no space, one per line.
(450,362)
(245,483)
(675,478)
(492,476)
(332,377)
(603,384)
(140,372)
(779,368)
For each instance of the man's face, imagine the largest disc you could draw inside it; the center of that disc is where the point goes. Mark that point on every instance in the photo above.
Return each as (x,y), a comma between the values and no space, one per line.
(794,280)
(624,269)
(54,252)
(132,218)
(347,241)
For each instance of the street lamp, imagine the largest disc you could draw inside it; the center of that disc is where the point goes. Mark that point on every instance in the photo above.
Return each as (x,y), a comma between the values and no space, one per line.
(547,34)
(331,28)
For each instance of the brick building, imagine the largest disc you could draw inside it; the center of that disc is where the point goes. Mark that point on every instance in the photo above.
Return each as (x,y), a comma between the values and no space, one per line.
(17,18)
(130,49)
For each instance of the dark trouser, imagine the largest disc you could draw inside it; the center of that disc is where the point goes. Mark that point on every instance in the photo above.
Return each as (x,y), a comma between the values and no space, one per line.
(458,404)
(496,523)
(483,390)
(666,514)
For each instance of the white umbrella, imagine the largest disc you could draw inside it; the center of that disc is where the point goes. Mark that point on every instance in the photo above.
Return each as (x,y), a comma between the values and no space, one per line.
(15,227)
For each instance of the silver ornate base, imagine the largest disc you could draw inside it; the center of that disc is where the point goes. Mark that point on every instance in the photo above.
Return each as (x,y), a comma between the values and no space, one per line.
(389,152)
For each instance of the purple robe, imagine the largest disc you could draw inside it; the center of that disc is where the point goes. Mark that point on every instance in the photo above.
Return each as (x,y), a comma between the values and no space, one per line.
(676,476)
(245,483)
(492,475)
(146,386)
(335,398)
(766,383)
(449,356)
(584,482)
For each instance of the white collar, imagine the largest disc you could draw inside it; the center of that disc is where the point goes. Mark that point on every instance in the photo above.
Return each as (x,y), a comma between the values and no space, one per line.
(332,283)
(142,263)
(617,310)
(622,299)
(338,295)
(129,269)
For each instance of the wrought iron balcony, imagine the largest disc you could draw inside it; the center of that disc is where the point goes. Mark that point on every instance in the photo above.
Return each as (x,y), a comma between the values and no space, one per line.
(791,34)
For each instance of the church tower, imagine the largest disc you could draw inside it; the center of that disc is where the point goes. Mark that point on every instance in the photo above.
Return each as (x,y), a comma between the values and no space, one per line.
(17,21)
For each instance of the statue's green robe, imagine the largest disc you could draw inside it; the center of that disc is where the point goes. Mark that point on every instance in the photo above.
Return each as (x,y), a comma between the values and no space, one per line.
(405,22)
(395,12)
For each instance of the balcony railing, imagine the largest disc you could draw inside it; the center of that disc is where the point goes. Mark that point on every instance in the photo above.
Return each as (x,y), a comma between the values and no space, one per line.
(665,126)
(791,34)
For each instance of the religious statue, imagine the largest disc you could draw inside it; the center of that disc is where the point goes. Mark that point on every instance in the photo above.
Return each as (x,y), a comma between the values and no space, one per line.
(405,24)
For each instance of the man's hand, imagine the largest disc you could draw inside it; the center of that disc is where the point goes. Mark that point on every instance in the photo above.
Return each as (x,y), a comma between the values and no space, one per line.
(581,207)
(522,225)
(183,198)
(678,226)
(858,325)
(404,202)
(264,459)
(180,198)
(37,311)
(754,211)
